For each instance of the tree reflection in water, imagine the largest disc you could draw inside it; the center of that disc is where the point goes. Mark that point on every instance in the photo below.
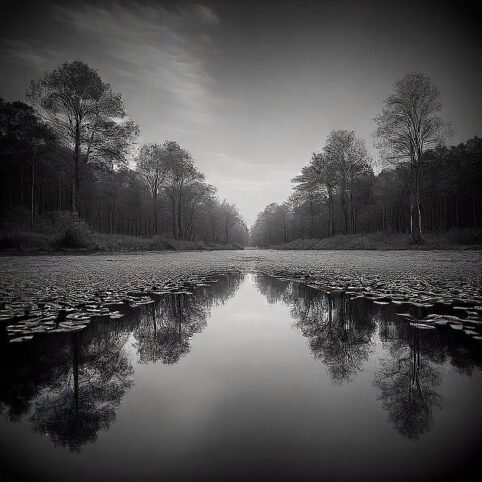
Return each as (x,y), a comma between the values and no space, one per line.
(408,380)
(166,328)
(81,401)
(70,386)
(339,332)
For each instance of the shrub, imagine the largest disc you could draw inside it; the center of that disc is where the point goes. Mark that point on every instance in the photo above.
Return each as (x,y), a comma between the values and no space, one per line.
(76,235)
(24,241)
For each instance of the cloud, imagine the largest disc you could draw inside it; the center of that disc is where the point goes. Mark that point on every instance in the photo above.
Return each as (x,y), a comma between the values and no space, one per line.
(162,51)
(165,48)
(24,52)
(207,15)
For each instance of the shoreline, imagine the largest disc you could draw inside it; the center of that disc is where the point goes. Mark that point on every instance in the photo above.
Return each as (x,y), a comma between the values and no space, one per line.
(455,240)
(40,244)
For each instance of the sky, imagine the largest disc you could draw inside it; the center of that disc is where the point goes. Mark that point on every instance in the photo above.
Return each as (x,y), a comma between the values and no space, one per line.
(252,88)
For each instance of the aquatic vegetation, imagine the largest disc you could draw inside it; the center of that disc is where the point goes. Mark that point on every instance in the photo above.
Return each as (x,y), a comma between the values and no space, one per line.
(59,294)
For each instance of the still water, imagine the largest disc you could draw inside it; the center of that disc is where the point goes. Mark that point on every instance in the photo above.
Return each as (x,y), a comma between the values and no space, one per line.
(251,378)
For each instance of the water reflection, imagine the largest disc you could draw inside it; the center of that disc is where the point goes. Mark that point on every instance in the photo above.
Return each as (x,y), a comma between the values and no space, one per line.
(408,382)
(342,334)
(166,327)
(283,372)
(70,387)
(82,400)
(339,332)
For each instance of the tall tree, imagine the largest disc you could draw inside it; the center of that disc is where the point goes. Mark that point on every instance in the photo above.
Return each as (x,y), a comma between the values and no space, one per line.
(408,125)
(182,176)
(199,196)
(85,113)
(21,134)
(231,218)
(326,175)
(153,168)
(348,155)
(308,190)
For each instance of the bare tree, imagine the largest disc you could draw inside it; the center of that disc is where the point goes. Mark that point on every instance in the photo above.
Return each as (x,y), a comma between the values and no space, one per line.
(408,125)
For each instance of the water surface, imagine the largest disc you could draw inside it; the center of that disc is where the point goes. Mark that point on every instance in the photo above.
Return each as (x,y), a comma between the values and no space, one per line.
(251,378)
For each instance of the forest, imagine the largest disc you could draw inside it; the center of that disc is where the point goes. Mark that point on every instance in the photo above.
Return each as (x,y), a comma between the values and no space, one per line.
(423,187)
(70,166)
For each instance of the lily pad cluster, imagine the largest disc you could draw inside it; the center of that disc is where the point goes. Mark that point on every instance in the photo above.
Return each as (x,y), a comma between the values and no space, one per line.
(30,287)
(465,301)
(55,314)
(470,326)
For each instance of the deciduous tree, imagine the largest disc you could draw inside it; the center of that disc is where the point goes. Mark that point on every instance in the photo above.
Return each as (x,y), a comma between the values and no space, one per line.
(86,114)
(408,125)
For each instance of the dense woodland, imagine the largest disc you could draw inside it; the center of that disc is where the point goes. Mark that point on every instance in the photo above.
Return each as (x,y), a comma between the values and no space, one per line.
(424,186)
(70,152)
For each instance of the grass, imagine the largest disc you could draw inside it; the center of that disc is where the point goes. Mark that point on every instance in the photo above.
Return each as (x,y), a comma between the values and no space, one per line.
(453,239)
(79,239)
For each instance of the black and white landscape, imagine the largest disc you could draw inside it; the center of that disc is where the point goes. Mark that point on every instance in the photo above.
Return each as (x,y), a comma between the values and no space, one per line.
(240,240)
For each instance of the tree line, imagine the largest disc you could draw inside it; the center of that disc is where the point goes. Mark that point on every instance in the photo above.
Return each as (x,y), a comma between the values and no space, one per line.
(423,186)
(70,151)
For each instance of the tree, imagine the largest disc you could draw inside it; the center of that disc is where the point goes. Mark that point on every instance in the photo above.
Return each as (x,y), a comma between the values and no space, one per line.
(271,226)
(408,125)
(153,168)
(85,113)
(21,134)
(198,197)
(309,190)
(231,218)
(348,155)
(326,175)
(408,378)
(182,176)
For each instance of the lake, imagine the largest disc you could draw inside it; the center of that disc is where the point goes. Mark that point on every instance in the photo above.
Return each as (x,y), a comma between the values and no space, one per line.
(241,366)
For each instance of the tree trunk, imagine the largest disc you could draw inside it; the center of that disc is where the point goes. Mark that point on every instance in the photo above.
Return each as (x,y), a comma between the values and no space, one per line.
(75,369)
(179,217)
(457,224)
(312,224)
(76,183)
(32,207)
(474,213)
(331,211)
(352,212)
(22,201)
(155,214)
(344,207)
(417,229)
(411,215)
